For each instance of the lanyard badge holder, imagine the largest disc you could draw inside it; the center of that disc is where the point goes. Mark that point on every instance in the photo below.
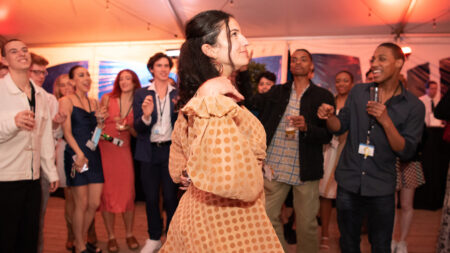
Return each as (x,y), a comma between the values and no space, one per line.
(93,142)
(365,148)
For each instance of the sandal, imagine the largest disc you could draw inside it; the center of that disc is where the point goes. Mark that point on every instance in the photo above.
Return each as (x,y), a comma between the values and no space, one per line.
(112,246)
(84,251)
(132,243)
(324,243)
(69,245)
(92,248)
(92,239)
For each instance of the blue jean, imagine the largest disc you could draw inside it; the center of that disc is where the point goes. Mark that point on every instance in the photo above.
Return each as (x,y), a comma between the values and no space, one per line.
(380,211)
(153,175)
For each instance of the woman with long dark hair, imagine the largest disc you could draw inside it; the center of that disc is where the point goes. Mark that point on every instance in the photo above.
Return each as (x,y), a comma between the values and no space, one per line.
(87,184)
(217,148)
(118,191)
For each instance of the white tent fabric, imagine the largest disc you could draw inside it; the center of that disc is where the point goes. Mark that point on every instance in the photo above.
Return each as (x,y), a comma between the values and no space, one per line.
(42,22)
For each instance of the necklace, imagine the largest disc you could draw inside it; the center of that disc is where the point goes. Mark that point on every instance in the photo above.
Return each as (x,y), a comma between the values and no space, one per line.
(81,103)
(395,91)
(120,107)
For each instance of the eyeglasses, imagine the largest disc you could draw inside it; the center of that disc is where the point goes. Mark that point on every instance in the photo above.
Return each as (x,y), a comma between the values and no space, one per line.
(39,72)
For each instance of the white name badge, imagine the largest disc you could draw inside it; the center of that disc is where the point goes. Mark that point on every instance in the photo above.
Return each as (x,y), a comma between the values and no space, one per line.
(155,130)
(93,142)
(366,150)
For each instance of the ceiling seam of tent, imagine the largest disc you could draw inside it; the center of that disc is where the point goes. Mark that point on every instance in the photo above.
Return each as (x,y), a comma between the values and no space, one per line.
(138,17)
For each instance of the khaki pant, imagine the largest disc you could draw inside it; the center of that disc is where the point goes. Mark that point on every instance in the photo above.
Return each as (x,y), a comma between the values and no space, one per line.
(306,206)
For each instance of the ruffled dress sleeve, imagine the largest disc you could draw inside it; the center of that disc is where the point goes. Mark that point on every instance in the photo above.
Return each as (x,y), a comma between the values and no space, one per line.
(226,145)
(179,148)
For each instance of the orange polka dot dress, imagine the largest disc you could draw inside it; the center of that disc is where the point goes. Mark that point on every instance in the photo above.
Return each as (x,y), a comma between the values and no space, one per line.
(221,145)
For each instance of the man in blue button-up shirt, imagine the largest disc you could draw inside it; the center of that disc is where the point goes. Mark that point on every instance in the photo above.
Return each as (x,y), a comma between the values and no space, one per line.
(379,131)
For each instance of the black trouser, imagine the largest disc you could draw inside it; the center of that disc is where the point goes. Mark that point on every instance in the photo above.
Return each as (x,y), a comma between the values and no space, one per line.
(351,208)
(19,215)
(153,175)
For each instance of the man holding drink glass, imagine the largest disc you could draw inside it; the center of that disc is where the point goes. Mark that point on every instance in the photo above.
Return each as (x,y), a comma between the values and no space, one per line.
(26,145)
(295,136)
(384,121)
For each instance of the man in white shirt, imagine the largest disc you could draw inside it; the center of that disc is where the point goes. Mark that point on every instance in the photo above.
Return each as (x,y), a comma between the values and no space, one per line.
(154,117)
(26,145)
(430,100)
(3,70)
(38,73)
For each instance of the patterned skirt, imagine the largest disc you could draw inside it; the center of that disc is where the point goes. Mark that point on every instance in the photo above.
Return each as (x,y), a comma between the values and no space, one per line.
(443,243)
(409,175)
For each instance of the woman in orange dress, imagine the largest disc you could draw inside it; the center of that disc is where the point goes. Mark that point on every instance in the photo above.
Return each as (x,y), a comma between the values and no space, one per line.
(118,191)
(218,146)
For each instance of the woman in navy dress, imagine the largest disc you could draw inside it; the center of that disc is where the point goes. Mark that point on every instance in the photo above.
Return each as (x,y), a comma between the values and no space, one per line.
(78,128)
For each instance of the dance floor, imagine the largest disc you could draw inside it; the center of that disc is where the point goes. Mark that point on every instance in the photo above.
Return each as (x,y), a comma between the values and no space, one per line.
(422,237)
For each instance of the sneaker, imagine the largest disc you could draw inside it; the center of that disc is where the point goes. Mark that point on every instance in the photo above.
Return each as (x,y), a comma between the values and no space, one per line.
(393,246)
(151,246)
(401,247)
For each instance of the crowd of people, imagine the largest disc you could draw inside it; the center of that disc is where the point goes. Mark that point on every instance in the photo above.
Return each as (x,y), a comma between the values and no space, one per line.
(243,160)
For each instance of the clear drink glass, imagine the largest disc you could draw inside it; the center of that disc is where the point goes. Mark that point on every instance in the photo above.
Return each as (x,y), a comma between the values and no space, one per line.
(374,95)
(290,129)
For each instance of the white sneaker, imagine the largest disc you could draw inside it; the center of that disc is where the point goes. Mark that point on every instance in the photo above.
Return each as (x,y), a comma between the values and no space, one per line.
(393,246)
(151,246)
(401,247)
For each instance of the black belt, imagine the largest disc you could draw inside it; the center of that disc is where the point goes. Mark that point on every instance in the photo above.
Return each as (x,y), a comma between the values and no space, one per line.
(162,143)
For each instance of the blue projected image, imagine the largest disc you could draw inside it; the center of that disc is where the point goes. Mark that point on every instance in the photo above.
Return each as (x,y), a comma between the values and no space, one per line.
(326,66)
(57,70)
(273,64)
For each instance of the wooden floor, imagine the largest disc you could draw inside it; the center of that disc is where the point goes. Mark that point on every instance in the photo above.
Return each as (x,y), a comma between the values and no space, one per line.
(422,238)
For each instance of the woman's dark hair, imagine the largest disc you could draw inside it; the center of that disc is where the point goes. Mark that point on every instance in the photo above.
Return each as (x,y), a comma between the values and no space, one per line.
(116,88)
(347,72)
(268,75)
(72,70)
(155,58)
(194,67)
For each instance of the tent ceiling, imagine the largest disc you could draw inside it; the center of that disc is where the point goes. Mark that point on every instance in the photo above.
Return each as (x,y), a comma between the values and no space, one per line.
(74,21)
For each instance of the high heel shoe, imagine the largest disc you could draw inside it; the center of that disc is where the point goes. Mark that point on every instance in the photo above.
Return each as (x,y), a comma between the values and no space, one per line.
(84,251)
(92,248)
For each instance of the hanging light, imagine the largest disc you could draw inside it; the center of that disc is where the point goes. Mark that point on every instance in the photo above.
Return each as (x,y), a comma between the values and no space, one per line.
(406,51)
